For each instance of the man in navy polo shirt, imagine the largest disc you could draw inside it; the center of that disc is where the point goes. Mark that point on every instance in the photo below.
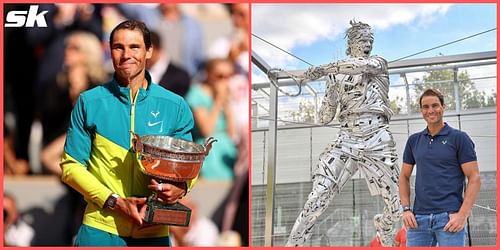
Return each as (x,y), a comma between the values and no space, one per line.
(444,157)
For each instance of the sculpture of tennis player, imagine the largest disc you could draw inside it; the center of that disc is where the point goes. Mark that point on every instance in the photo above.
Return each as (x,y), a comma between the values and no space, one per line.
(359,86)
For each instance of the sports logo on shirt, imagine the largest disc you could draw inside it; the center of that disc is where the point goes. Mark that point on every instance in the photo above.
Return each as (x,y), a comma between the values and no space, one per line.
(444,142)
(155,114)
(155,122)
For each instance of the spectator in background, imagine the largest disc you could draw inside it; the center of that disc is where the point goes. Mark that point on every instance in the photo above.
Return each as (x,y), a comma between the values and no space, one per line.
(12,165)
(62,19)
(19,93)
(231,216)
(182,37)
(39,51)
(83,60)
(83,69)
(239,103)
(17,233)
(165,72)
(201,232)
(213,116)
(235,46)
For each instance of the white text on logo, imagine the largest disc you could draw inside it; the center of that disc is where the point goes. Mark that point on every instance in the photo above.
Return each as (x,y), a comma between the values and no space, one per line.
(20,18)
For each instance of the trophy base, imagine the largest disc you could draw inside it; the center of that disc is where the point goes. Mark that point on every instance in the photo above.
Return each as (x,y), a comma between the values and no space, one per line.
(168,214)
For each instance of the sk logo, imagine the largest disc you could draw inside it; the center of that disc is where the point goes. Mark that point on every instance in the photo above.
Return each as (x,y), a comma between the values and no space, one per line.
(20,18)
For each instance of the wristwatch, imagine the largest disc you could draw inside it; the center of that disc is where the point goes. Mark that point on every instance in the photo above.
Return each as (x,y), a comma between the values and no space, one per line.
(111,201)
(406,208)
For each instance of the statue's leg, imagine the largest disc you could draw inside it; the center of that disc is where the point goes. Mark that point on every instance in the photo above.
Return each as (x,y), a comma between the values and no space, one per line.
(382,175)
(384,223)
(316,204)
(333,171)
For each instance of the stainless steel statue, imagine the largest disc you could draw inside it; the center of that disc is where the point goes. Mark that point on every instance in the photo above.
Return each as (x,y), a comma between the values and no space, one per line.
(359,85)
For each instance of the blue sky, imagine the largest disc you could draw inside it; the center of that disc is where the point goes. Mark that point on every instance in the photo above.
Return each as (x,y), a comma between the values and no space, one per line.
(314,32)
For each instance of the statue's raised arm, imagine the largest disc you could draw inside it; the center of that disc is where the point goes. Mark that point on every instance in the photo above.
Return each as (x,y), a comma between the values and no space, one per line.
(374,65)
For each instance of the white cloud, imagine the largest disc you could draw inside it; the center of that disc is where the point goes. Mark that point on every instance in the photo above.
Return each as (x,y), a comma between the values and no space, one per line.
(290,25)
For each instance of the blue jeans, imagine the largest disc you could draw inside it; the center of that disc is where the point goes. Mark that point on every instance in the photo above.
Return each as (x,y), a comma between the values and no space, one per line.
(429,232)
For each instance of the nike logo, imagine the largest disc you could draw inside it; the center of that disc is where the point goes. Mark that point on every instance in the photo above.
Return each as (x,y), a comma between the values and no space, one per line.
(151,124)
(155,114)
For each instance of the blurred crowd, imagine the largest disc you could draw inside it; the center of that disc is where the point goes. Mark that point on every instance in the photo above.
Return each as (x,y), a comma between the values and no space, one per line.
(200,52)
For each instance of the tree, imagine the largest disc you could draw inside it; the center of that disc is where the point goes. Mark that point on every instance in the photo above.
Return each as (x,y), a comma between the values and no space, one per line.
(469,96)
(396,105)
(306,112)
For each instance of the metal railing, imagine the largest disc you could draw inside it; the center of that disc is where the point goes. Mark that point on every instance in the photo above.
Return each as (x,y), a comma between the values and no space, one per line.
(402,69)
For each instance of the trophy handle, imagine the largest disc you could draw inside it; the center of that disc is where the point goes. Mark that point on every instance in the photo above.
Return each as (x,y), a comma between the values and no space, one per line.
(208,144)
(136,142)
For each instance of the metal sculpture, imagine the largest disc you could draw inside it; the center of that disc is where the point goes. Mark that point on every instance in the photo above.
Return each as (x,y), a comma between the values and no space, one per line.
(359,85)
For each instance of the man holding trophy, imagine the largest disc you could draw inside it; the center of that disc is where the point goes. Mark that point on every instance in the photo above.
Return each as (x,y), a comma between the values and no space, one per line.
(105,160)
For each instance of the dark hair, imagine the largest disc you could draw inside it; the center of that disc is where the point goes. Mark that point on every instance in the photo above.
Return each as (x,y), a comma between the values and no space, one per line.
(432,92)
(133,25)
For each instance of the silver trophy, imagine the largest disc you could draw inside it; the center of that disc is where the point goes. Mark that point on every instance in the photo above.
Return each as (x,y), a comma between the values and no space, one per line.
(169,159)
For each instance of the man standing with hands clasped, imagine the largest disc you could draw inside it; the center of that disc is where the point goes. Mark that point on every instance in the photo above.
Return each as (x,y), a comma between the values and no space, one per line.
(445,157)
(98,159)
